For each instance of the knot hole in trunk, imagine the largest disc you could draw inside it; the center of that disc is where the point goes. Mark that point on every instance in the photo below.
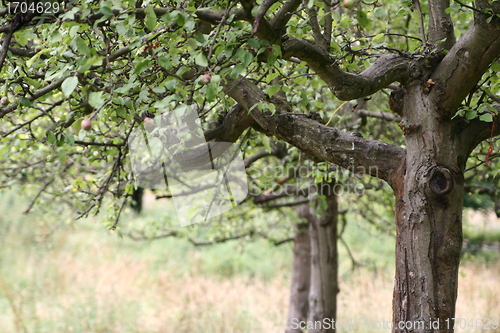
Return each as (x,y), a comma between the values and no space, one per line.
(440,181)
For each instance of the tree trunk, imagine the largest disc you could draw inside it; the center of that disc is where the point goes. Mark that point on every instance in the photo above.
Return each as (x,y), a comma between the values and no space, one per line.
(429,199)
(324,262)
(301,276)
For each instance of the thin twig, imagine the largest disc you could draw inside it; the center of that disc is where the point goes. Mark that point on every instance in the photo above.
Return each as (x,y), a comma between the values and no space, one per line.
(355,263)
(42,189)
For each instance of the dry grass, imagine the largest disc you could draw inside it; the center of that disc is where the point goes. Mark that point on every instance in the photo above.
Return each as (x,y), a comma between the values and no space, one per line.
(84,281)
(368,295)
(99,288)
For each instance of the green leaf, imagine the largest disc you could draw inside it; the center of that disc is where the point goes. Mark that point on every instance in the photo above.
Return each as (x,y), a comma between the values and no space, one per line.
(25,102)
(106,11)
(95,61)
(271,60)
(363,20)
(125,89)
(32,82)
(24,36)
(264,107)
(277,50)
(33,59)
(211,93)
(51,138)
(486,117)
(495,66)
(380,12)
(82,46)
(164,102)
(336,48)
(200,38)
(165,62)
(246,58)
(470,114)
(170,84)
(254,43)
(96,100)
(55,37)
(69,85)
(73,31)
(201,60)
(237,70)
(61,155)
(129,188)
(69,139)
(159,90)
(121,29)
(82,134)
(141,65)
(273,90)
(180,19)
(267,143)
(150,19)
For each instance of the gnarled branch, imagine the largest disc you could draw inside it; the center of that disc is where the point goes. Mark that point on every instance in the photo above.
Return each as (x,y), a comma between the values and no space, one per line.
(461,69)
(346,86)
(345,149)
(280,20)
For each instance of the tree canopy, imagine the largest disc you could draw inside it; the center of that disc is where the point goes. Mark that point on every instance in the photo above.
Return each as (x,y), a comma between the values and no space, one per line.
(77,79)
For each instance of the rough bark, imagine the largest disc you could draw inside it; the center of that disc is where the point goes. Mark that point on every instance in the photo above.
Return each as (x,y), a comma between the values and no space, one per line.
(324,262)
(430,190)
(301,276)
(462,67)
(330,144)
(440,25)
(427,176)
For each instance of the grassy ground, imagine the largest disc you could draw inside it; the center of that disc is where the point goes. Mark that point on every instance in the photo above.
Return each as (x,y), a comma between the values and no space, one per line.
(84,279)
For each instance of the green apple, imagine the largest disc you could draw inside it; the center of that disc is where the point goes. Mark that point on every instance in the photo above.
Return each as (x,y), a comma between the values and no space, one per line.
(347,3)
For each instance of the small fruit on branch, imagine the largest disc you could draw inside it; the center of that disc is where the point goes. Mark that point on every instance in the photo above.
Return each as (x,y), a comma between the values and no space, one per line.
(86,124)
(206,78)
